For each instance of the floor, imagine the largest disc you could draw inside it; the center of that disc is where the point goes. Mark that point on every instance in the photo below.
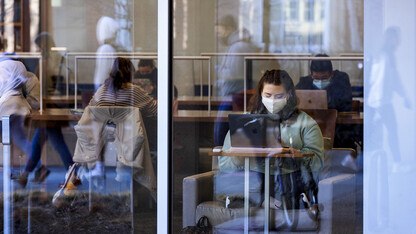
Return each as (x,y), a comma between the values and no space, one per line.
(144,208)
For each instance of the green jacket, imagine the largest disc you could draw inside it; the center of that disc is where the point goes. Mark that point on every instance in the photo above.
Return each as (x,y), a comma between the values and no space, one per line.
(306,137)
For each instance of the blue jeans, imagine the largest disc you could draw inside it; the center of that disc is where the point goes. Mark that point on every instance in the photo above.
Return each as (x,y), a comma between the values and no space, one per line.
(18,136)
(57,139)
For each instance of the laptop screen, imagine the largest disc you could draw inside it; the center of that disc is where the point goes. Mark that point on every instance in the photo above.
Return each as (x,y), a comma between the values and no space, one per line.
(255,130)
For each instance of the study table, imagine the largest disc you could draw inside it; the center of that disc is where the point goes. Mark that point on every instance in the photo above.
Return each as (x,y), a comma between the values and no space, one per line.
(64,114)
(62,100)
(222,116)
(271,153)
(203,101)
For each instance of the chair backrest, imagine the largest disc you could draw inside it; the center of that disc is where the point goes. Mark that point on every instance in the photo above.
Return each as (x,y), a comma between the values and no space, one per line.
(356,106)
(312,99)
(86,97)
(326,119)
(130,140)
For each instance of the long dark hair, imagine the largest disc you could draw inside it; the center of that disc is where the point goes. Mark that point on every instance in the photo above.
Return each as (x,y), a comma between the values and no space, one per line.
(275,77)
(121,73)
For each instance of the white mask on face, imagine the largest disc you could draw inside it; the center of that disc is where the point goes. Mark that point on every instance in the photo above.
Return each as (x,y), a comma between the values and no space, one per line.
(274,105)
(321,84)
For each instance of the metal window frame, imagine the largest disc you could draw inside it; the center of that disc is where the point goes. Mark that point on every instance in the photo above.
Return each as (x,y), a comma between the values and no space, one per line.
(164,116)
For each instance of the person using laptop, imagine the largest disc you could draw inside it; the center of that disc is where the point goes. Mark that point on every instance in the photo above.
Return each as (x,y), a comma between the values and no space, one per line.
(339,96)
(275,94)
(336,83)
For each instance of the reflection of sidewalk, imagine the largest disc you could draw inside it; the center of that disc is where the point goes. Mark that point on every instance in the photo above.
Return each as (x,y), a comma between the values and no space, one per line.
(57,176)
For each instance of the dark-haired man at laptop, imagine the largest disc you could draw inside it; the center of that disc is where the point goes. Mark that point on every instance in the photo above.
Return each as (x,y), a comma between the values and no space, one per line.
(336,83)
(339,95)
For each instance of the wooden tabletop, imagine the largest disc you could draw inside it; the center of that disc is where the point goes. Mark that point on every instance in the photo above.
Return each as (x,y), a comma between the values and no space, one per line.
(350,118)
(252,152)
(203,101)
(61,114)
(203,116)
(55,114)
(70,99)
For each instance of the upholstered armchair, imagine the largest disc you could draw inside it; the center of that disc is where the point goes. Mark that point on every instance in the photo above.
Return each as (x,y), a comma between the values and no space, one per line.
(337,189)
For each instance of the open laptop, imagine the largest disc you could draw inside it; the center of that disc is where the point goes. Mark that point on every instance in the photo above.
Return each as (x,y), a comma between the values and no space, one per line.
(312,99)
(254,131)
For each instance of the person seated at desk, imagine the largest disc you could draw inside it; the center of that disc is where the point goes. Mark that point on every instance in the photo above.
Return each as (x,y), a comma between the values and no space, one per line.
(336,83)
(339,96)
(118,90)
(146,76)
(275,94)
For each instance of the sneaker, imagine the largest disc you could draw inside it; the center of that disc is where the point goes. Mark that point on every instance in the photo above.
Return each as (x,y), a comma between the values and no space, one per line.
(70,188)
(40,174)
(98,170)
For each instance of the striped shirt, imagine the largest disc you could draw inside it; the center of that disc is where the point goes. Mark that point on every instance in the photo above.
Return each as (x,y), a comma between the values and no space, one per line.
(132,95)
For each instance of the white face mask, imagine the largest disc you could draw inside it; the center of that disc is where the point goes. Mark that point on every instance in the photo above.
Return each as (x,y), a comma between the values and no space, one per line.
(274,105)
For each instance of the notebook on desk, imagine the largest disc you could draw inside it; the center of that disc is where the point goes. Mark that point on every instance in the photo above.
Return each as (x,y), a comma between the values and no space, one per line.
(312,99)
(254,132)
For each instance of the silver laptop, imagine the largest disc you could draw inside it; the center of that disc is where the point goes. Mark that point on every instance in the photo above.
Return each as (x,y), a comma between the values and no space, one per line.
(312,99)
(254,131)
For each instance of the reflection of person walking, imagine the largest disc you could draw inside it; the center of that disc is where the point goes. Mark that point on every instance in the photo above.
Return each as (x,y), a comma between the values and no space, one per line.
(231,71)
(384,82)
(106,35)
(54,62)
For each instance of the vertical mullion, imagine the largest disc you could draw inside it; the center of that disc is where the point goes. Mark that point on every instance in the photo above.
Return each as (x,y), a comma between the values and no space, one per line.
(164,118)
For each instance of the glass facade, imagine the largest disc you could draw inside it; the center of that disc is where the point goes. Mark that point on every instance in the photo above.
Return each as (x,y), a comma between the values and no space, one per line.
(233,116)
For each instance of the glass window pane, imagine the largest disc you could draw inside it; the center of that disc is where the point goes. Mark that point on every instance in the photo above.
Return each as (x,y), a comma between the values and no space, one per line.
(236,171)
(79,79)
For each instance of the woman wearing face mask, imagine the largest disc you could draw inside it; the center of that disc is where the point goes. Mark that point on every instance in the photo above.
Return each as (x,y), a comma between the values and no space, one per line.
(275,94)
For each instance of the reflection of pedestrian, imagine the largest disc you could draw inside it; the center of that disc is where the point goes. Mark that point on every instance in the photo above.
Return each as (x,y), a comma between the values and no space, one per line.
(54,134)
(230,73)
(54,62)
(384,82)
(106,35)
(13,76)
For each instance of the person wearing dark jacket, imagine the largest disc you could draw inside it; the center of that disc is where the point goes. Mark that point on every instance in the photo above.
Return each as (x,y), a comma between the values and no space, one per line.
(339,95)
(336,83)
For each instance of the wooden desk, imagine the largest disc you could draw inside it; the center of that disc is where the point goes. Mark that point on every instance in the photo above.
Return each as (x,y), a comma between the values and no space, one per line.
(247,157)
(54,114)
(57,114)
(201,103)
(222,116)
(68,100)
(202,116)
(197,100)
(260,154)
(350,118)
